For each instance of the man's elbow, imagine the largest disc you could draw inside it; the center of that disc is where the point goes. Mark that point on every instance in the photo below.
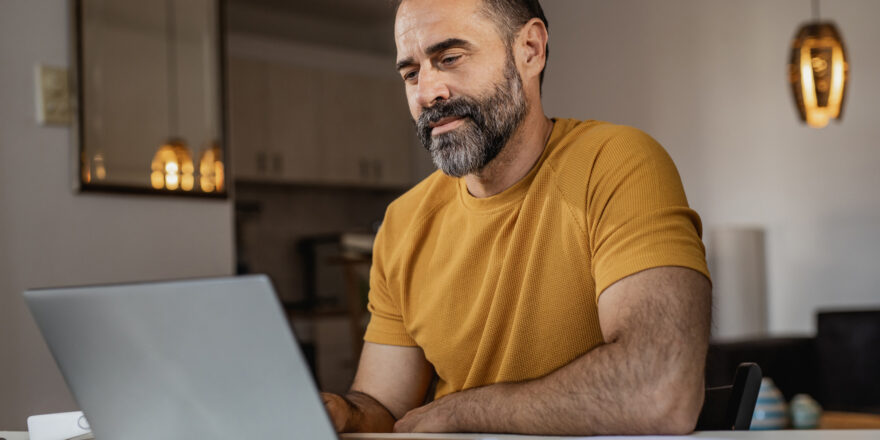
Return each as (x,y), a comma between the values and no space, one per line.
(678,408)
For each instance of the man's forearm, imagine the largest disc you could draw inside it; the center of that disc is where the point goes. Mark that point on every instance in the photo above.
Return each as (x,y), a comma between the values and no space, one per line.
(598,393)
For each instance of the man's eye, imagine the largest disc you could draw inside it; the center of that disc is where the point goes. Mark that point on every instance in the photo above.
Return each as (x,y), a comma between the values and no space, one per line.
(450,59)
(408,76)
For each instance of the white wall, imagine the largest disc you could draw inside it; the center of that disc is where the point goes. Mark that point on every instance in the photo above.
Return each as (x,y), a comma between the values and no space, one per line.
(707,78)
(51,236)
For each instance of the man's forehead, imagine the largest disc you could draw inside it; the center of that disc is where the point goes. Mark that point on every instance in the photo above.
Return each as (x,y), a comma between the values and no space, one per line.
(418,20)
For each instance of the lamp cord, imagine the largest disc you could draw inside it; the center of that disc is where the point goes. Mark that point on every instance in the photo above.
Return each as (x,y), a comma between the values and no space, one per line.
(816,16)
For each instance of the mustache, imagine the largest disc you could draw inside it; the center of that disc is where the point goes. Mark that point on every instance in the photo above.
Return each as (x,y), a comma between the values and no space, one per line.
(461,107)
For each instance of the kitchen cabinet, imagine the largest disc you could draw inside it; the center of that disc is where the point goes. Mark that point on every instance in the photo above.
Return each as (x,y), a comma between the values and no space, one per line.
(366,131)
(344,129)
(272,122)
(294,124)
(392,133)
(293,146)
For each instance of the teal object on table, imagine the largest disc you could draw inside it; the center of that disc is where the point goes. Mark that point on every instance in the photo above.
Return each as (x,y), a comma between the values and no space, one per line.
(805,412)
(771,411)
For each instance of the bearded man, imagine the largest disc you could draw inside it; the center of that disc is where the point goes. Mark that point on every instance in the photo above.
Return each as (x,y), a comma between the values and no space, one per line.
(550,273)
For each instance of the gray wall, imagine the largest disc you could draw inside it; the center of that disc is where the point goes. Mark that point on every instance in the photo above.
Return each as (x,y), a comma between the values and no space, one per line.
(50,236)
(707,78)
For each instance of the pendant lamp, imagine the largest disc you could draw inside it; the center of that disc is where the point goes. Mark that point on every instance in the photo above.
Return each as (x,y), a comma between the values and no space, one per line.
(172,167)
(93,168)
(818,71)
(211,169)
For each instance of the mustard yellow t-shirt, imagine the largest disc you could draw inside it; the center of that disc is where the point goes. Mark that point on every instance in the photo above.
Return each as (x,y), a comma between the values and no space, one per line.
(505,288)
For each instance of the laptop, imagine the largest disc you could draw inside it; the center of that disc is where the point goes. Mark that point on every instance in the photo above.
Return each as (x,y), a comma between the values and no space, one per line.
(195,359)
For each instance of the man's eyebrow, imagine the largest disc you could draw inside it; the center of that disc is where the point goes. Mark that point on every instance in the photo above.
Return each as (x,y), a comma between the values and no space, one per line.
(446,44)
(435,48)
(406,62)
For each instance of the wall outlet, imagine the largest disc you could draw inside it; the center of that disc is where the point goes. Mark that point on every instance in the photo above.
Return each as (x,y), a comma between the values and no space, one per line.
(53,96)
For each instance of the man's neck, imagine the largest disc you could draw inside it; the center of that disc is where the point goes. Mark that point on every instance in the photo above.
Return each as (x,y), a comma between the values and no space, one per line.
(515,160)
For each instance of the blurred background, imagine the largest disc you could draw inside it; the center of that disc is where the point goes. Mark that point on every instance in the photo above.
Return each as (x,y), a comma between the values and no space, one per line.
(317,141)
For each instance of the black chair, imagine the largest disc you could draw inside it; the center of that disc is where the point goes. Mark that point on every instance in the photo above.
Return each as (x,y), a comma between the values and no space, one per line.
(730,407)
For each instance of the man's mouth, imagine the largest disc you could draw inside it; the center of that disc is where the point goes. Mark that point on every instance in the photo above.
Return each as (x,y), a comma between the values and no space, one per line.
(448,123)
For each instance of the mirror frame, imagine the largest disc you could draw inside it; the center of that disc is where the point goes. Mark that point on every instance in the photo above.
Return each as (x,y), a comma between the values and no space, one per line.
(78,101)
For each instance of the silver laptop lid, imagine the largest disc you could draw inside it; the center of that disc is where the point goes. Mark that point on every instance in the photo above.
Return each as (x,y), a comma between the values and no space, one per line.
(187,360)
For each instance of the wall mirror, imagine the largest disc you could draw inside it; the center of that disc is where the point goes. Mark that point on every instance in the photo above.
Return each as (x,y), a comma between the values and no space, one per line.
(149,104)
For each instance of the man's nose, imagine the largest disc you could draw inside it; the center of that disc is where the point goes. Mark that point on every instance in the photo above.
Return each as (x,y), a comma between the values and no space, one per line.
(431,88)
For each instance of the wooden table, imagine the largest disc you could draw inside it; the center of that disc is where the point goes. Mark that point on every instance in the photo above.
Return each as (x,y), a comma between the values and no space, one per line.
(849,420)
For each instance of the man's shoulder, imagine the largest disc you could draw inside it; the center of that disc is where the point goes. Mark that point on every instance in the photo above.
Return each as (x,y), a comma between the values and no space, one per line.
(422,200)
(584,151)
(587,139)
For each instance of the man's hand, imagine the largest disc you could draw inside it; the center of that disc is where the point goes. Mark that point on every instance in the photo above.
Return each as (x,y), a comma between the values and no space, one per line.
(357,412)
(437,416)
(338,409)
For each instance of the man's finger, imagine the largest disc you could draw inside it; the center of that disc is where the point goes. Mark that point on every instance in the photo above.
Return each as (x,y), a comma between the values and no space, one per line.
(405,424)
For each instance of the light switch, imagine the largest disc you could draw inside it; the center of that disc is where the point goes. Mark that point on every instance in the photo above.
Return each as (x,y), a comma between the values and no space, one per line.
(53,96)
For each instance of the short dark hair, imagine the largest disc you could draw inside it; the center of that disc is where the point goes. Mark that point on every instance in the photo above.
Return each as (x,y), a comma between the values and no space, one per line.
(510,16)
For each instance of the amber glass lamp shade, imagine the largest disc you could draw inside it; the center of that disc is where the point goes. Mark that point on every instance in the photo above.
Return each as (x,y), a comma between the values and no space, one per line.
(172,167)
(211,172)
(93,168)
(818,73)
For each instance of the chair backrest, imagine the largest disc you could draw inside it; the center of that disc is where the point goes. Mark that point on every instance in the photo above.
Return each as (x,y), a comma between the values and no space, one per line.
(730,407)
(849,360)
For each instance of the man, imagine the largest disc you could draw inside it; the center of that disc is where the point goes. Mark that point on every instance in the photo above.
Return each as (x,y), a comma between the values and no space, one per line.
(550,273)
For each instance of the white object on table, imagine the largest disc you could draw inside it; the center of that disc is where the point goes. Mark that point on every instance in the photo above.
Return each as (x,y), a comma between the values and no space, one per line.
(58,426)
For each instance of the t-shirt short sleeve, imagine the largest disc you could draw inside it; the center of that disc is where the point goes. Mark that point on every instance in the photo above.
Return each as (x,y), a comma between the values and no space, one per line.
(386,321)
(637,213)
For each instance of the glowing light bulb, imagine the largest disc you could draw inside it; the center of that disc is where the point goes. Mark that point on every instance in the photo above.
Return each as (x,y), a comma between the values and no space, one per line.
(818,72)
(157,180)
(211,169)
(172,167)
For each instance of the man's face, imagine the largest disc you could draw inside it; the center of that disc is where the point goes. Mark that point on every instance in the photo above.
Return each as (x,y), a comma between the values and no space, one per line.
(462,85)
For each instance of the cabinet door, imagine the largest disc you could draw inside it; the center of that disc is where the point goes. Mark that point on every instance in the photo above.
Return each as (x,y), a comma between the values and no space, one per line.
(247,125)
(344,113)
(392,132)
(293,123)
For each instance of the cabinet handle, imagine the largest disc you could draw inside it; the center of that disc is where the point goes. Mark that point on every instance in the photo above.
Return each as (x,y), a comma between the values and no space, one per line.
(262,161)
(377,169)
(277,163)
(364,168)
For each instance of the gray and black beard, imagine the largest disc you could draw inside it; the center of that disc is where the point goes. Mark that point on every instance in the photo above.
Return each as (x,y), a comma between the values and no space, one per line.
(489,123)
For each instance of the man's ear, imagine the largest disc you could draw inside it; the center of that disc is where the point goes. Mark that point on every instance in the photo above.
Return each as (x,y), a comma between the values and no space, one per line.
(531,48)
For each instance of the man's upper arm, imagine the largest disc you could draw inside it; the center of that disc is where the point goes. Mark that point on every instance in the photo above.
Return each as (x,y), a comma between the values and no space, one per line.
(662,316)
(396,376)
(663,296)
